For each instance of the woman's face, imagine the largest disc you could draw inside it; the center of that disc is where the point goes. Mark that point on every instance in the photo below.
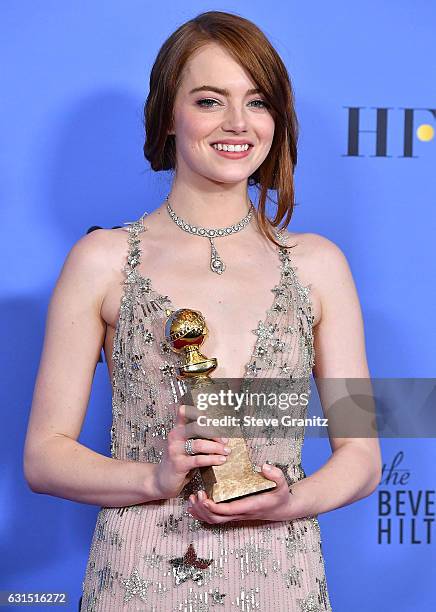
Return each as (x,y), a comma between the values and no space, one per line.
(205,117)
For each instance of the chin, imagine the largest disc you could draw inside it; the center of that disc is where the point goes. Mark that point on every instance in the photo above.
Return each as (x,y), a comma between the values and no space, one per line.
(229,180)
(235,176)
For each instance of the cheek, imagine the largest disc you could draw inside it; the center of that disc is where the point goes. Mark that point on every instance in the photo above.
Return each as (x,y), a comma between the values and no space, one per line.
(266,130)
(196,126)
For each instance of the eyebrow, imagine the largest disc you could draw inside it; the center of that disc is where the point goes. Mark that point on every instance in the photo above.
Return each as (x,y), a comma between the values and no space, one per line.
(223,92)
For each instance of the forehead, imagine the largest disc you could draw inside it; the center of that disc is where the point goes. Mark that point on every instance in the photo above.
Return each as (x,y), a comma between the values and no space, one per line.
(214,65)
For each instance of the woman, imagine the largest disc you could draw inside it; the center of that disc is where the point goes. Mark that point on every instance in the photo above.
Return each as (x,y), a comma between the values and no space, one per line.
(159,542)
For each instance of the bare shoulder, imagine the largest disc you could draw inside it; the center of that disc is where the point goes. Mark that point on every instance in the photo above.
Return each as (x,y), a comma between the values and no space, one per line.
(95,259)
(319,252)
(317,243)
(320,264)
(111,245)
(329,260)
(95,247)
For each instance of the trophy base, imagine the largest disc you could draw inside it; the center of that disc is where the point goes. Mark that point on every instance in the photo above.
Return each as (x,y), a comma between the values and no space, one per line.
(235,478)
(223,491)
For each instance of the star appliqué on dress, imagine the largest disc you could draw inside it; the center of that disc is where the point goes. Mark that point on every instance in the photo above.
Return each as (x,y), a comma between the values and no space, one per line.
(135,586)
(189,566)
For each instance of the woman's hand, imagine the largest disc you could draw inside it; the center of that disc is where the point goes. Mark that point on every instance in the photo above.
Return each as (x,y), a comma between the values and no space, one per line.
(175,469)
(273,505)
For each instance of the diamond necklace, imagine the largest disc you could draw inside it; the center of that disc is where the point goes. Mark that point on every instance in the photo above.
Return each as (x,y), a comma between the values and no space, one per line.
(216,263)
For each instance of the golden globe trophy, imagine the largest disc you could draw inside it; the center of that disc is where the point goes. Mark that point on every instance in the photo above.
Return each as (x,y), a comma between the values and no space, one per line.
(185,331)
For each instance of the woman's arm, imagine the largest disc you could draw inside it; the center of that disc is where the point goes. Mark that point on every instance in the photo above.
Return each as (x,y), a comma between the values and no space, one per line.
(354,469)
(54,462)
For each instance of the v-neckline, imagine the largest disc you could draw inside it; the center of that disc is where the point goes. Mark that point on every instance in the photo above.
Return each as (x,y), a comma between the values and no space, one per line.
(262,323)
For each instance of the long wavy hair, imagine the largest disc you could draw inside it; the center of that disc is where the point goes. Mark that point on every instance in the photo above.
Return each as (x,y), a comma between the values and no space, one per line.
(249,46)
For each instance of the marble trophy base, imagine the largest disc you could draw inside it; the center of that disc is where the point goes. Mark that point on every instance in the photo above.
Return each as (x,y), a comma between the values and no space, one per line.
(236,478)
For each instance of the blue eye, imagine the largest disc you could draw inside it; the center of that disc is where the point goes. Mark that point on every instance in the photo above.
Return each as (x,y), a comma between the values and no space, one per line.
(265,104)
(205,103)
(202,102)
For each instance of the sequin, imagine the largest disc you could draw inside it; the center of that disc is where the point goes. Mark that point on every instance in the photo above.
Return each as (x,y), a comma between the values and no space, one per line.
(189,567)
(309,604)
(148,336)
(153,559)
(170,525)
(285,368)
(275,565)
(196,601)
(248,599)
(89,601)
(106,578)
(155,556)
(164,347)
(216,596)
(252,558)
(135,586)
(292,576)
(253,368)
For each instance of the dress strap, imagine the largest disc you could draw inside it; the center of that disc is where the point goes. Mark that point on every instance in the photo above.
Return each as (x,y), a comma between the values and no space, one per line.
(135,228)
(291,268)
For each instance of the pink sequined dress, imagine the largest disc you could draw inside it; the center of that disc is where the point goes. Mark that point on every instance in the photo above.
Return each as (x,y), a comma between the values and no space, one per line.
(155,557)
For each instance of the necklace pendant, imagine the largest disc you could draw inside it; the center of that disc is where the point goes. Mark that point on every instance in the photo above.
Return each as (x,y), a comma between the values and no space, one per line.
(216,263)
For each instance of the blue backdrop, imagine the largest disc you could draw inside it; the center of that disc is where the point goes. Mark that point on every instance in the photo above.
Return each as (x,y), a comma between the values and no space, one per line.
(75,76)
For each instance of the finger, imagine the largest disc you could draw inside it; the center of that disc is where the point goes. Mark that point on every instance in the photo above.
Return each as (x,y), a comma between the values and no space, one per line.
(199,511)
(191,412)
(275,474)
(199,460)
(210,447)
(246,506)
(181,415)
(190,430)
(216,519)
(228,508)
(193,430)
(197,508)
(194,507)
(207,516)
(202,428)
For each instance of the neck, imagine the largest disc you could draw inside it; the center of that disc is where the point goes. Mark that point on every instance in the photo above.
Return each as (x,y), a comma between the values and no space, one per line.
(209,210)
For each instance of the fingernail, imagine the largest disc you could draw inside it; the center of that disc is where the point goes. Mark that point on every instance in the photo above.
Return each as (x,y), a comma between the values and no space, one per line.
(267,467)
(225,440)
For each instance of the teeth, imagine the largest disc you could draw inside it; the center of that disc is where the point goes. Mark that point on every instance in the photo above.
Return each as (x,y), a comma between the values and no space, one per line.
(229,147)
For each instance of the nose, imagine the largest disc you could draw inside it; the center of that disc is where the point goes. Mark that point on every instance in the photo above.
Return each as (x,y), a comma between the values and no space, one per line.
(235,119)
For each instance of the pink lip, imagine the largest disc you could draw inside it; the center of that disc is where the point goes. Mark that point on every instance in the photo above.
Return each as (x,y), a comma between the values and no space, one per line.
(233,154)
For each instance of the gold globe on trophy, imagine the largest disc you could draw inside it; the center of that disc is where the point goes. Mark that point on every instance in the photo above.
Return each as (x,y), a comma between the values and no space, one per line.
(185,331)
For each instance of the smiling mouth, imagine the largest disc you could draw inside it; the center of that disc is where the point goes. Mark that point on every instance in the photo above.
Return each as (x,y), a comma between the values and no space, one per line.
(220,149)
